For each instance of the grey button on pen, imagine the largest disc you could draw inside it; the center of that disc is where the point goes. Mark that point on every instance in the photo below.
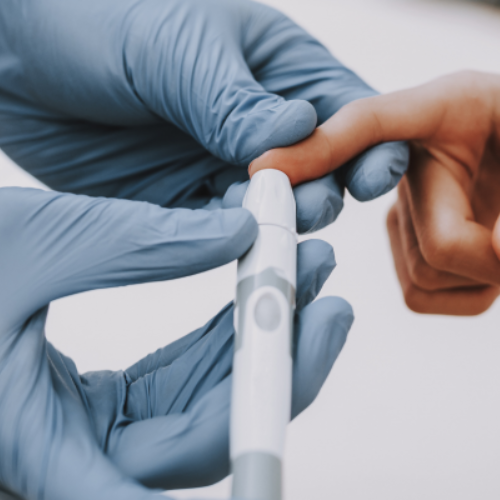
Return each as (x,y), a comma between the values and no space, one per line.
(267,312)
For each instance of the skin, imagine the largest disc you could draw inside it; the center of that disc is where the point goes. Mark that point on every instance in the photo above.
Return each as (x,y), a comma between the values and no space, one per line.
(445,226)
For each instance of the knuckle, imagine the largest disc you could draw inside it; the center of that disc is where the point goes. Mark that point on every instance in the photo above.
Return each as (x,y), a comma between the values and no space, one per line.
(421,274)
(438,249)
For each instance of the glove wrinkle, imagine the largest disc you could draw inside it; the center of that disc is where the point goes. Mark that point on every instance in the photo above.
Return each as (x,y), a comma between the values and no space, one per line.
(190,373)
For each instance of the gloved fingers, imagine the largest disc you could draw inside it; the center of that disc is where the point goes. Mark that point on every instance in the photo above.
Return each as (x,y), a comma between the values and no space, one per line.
(135,163)
(288,61)
(235,194)
(315,263)
(180,450)
(78,470)
(212,95)
(47,445)
(296,66)
(376,171)
(174,378)
(62,244)
(168,355)
(321,330)
(191,449)
(319,202)
(223,180)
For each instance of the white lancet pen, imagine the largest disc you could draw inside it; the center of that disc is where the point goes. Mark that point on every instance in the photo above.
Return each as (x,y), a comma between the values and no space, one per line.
(262,368)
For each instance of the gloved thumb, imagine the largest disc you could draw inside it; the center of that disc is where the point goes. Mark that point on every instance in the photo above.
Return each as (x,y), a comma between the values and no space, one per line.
(214,95)
(259,122)
(62,244)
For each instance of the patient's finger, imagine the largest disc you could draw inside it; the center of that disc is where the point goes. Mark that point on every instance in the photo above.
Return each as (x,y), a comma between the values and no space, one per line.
(404,115)
(61,244)
(466,301)
(421,273)
(412,114)
(449,237)
(397,249)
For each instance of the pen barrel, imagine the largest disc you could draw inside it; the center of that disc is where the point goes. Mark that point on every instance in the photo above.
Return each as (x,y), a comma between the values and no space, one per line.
(262,368)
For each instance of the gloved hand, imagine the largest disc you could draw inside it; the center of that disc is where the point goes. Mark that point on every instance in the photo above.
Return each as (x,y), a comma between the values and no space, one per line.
(164,421)
(169,101)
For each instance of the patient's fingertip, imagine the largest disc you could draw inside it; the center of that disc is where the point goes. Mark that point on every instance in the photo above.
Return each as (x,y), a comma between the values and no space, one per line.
(278,159)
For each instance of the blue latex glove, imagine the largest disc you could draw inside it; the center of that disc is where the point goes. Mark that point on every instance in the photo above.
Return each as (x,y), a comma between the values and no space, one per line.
(164,421)
(168,101)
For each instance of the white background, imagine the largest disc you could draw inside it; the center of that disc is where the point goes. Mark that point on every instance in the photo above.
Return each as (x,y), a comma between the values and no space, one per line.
(412,408)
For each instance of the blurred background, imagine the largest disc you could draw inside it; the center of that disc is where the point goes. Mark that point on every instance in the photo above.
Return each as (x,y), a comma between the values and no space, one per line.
(412,407)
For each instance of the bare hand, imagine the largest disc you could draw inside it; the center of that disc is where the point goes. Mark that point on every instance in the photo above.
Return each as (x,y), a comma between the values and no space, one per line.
(445,225)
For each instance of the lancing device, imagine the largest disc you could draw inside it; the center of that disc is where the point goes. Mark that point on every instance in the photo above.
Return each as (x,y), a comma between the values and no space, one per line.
(262,368)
